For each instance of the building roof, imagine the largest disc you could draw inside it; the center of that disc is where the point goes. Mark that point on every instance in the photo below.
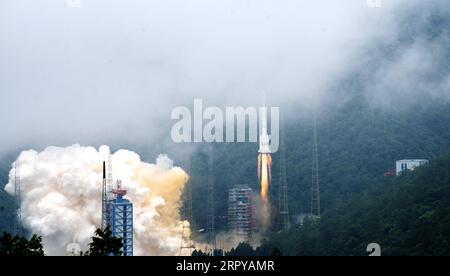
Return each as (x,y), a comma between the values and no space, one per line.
(412,160)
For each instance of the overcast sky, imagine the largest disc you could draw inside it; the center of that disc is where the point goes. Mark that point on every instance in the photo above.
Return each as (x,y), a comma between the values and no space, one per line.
(112,70)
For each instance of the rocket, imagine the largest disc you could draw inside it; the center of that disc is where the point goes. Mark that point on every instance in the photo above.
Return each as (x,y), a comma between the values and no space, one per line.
(264,138)
(264,158)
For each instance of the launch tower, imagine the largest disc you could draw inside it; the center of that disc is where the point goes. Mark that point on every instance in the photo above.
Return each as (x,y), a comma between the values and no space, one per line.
(121,219)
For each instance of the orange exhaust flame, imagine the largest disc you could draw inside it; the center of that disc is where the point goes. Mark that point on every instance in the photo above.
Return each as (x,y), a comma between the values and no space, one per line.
(264,174)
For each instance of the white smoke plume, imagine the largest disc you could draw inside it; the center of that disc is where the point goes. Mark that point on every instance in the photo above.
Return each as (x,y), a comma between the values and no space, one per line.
(61,197)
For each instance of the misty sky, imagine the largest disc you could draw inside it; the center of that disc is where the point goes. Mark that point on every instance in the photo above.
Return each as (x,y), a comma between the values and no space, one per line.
(112,70)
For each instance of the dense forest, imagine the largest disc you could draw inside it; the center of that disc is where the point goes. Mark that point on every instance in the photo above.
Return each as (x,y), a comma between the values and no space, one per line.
(357,145)
(406,216)
(409,215)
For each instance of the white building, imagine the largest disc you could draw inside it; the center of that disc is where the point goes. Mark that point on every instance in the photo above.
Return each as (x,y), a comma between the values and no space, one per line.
(408,164)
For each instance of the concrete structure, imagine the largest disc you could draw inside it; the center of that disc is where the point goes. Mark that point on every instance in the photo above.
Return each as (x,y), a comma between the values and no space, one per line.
(121,219)
(408,165)
(240,212)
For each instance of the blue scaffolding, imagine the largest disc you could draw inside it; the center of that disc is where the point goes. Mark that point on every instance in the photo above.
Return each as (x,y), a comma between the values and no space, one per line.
(121,219)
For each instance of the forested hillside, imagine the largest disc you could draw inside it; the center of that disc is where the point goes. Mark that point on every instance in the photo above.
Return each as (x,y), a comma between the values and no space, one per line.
(357,144)
(409,215)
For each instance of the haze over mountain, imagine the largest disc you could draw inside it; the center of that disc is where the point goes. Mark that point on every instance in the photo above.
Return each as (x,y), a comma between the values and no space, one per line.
(109,73)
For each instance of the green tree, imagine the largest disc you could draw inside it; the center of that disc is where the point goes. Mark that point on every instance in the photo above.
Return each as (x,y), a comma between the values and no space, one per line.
(199,253)
(20,246)
(276,252)
(243,249)
(105,244)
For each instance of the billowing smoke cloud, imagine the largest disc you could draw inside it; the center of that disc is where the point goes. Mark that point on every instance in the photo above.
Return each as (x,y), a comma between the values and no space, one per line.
(61,197)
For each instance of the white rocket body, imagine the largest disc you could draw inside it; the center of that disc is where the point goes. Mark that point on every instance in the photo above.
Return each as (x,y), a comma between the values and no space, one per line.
(264,138)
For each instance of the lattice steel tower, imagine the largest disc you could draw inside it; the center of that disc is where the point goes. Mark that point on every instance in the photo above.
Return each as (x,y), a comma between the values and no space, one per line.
(186,239)
(210,223)
(18,227)
(283,203)
(105,211)
(107,191)
(121,218)
(315,189)
(109,179)
(240,213)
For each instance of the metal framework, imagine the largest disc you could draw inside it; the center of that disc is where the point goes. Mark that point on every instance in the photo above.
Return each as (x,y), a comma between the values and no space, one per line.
(315,189)
(109,179)
(121,220)
(107,191)
(105,216)
(240,213)
(18,227)
(210,218)
(186,240)
(283,203)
